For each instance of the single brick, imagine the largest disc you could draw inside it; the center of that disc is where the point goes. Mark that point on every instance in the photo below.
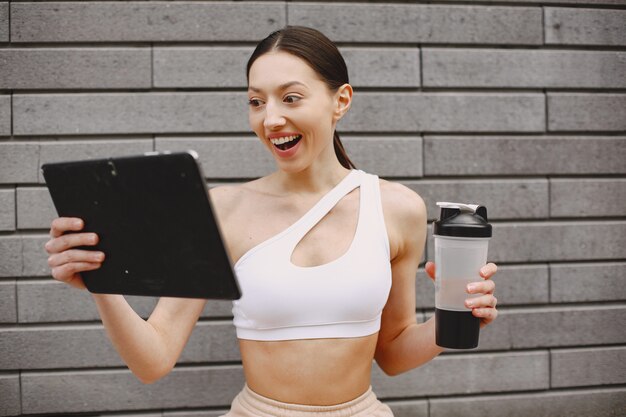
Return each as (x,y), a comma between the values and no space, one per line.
(525,328)
(558,241)
(465,374)
(586,112)
(4,22)
(200,66)
(519,284)
(382,67)
(451,67)
(186,388)
(554,241)
(60,151)
(504,198)
(421,23)
(588,366)
(11,257)
(35,256)
(53,301)
(587,197)
(585,282)
(396,156)
(87,346)
(8,307)
(445,112)
(7,209)
(74,114)
(519,155)
(139,21)
(409,408)
(73,68)
(579,403)
(578,26)
(10,393)
(19,162)
(225,157)
(35,209)
(5,115)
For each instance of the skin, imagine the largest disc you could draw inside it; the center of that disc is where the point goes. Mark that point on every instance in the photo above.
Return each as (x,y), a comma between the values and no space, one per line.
(310,371)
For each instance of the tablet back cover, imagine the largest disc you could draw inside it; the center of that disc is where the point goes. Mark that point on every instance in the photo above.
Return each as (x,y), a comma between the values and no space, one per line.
(155,223)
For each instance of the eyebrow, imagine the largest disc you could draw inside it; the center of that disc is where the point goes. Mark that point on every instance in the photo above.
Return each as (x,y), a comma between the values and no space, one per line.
(280,87)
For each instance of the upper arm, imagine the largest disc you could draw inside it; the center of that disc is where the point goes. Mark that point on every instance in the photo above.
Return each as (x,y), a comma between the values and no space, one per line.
(407,216)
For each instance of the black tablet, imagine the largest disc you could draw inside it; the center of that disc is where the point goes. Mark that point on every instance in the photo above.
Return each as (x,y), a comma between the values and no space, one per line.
(155,221)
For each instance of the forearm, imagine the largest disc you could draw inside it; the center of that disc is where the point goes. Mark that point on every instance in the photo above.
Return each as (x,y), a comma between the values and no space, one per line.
(413,347)
(137,341)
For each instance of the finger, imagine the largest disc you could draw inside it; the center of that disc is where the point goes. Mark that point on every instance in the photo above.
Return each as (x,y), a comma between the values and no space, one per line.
(69,272)
(64,224)
(65,242)
(75,255)
(487,314)
(483,287)
(430,269)
(487,300)
(488,270)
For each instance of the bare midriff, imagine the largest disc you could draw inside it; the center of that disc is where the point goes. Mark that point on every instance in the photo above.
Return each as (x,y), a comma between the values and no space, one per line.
(309,371)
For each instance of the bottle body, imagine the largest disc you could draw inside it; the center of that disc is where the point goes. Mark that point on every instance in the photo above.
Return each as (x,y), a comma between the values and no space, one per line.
(458,261)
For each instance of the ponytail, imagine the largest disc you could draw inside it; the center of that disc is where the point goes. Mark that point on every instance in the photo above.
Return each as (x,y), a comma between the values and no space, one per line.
(341,152)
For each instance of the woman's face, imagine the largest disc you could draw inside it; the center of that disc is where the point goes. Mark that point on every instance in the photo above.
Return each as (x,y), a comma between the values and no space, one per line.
(292,110)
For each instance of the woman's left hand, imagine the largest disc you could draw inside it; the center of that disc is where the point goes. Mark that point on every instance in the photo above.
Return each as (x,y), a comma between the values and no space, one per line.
(483,307)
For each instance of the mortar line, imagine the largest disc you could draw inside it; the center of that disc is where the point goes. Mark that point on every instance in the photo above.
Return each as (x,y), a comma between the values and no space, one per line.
(152,65)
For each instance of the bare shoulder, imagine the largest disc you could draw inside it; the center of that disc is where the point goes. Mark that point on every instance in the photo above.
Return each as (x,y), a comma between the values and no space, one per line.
(405,215)
(229,199)
(401,202)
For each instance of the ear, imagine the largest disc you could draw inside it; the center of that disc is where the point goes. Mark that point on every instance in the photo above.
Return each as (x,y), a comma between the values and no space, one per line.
(343,100)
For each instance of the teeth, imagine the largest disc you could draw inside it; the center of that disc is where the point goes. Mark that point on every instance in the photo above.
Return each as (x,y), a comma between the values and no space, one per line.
(279,141)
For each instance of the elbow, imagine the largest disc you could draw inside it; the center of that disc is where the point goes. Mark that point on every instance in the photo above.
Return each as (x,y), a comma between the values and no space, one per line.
(151,374)
(390,369)
(388,365)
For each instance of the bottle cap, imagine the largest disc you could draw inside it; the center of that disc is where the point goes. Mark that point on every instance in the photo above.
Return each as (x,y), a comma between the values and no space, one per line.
(462,220)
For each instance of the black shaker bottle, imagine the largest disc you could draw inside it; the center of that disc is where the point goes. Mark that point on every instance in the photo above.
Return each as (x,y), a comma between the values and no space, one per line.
(462,235)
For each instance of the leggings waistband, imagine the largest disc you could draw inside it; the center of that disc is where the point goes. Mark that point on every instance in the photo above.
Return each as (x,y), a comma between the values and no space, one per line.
(364,405)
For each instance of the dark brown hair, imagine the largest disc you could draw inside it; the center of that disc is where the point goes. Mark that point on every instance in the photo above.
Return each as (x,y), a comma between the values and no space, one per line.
(320,53)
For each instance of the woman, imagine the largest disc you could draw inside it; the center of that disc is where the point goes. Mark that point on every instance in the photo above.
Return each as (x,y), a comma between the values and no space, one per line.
(326,256)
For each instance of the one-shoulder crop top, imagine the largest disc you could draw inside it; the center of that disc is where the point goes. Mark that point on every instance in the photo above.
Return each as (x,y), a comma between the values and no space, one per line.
(342,298)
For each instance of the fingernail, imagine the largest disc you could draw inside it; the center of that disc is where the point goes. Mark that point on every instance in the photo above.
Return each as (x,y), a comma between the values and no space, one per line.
(77,223)
(471,287)
(469,303)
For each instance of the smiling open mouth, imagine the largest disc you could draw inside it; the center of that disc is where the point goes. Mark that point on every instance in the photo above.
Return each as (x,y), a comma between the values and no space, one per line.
(290,143)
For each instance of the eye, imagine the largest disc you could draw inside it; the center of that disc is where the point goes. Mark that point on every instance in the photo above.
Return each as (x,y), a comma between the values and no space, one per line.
(254,102)
(291,98)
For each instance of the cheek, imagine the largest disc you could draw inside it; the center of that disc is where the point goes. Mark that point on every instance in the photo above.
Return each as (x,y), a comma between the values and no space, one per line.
(255,121)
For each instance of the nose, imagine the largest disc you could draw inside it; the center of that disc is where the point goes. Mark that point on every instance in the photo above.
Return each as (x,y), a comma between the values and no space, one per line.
(273,116)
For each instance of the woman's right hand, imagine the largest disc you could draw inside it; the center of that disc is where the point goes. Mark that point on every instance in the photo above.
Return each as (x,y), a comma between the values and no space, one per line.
(65,261)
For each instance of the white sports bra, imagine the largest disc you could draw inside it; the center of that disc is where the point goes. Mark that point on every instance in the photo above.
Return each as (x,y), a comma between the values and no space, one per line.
(342,298)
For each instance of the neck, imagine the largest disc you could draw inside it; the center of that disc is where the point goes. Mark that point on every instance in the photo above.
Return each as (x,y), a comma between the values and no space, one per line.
(311,180)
